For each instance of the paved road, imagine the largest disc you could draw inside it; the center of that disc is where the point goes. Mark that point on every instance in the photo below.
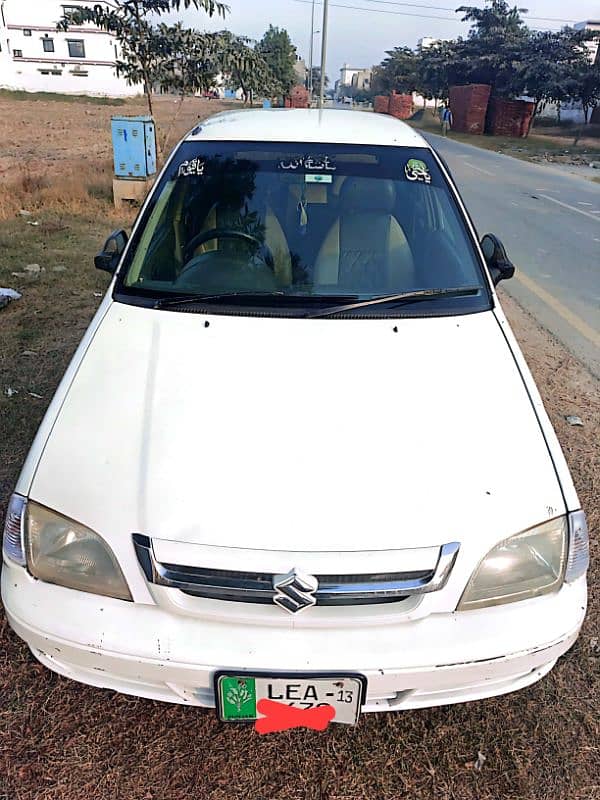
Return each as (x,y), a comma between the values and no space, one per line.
(550,225)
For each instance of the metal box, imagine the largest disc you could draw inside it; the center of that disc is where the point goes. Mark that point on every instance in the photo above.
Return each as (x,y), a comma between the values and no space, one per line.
(134,146)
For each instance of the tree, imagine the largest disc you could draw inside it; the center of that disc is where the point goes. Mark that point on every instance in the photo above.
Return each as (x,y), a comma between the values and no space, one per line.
(189,61)
(433,69)
(554,68)
(397,72)
(586,87)
(493,51)
(245,68)
(279,54)
(141,54)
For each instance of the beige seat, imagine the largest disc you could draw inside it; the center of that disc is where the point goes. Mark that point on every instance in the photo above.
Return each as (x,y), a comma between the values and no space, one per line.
(275,240)
(366,249)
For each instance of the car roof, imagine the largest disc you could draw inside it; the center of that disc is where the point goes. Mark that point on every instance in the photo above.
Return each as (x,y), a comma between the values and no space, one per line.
(327,126)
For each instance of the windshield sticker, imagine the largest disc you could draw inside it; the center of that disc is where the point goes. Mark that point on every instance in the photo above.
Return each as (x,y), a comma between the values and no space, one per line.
(417,170)
(318,178)
(193,167)
(310,163)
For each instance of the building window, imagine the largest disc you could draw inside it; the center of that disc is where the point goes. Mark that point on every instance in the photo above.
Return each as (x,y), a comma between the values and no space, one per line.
(48,45)
(18,53)
(26,31)
(71,9)
(76,48)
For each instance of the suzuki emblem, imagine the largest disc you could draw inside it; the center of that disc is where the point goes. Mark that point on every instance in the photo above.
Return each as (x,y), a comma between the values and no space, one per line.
(295,591)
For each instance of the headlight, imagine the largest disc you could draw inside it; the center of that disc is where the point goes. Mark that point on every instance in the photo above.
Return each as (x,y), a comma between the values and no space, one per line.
(526,565)
(69,554)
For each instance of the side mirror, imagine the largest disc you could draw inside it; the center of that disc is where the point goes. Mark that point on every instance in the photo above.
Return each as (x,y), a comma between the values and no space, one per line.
(114,247)
(500,266)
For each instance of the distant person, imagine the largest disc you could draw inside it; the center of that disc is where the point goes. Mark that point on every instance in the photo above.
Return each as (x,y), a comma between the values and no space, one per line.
(447,119)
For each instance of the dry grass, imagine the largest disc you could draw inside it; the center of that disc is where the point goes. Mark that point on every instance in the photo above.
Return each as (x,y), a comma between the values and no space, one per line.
(57,155)
(64,741)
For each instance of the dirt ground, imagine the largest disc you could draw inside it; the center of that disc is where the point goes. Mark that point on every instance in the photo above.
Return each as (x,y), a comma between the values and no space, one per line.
(63,741)
(59,154)
(48,137)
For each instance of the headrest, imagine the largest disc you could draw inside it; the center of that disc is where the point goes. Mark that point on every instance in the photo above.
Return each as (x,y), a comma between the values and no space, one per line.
(368,194)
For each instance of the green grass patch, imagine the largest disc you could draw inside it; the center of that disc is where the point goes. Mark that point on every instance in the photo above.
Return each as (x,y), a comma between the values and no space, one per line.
(9,94)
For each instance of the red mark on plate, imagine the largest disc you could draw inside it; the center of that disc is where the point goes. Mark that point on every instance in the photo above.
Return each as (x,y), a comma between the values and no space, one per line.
(280,717)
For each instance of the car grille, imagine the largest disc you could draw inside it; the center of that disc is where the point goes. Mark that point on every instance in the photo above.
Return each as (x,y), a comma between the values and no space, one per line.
(258,587)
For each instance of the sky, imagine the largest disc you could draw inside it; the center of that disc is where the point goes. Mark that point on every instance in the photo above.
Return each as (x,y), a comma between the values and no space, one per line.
(360,38)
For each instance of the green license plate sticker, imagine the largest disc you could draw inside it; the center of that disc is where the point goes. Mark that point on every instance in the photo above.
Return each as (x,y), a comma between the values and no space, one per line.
(238,698)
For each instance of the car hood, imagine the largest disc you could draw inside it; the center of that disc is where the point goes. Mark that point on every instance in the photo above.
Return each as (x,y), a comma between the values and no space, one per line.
(293,434)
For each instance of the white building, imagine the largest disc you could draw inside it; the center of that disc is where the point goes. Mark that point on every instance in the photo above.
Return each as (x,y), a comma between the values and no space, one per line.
(593,45)
(35,57)
(428,41)
(301,70)
(358,78)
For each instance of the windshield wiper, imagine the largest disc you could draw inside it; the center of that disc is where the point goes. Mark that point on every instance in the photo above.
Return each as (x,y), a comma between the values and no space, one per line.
(190,299)
(403,297)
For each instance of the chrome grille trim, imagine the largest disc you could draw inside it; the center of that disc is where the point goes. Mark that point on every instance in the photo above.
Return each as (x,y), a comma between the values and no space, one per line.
(255,587)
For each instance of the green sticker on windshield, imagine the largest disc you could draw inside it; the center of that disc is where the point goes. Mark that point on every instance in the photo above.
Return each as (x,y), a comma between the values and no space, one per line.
(417,170)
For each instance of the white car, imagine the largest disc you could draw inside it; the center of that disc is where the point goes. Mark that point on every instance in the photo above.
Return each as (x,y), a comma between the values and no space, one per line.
(298,454)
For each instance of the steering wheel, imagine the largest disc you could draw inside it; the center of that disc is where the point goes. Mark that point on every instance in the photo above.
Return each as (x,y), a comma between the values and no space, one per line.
(264,250)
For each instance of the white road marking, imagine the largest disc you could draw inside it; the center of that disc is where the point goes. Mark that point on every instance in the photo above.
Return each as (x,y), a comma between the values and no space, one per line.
(581,203)
(571,208)
(480,169)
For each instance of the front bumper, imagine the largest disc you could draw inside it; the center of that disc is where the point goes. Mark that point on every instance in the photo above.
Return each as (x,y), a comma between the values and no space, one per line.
(145,651)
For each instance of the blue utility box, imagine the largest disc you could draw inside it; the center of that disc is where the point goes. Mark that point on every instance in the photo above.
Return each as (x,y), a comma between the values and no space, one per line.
(134,146)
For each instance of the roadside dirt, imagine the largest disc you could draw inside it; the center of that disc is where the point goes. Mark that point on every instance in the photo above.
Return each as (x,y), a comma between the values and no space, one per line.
(44,137)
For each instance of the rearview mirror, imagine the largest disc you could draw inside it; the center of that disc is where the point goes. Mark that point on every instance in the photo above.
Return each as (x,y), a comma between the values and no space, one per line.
(501,268)
(114,247)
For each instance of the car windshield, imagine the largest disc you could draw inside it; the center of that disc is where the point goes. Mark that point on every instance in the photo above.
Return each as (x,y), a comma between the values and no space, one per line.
(286,227)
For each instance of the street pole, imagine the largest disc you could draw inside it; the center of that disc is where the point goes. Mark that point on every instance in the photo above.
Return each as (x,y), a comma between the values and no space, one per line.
(312,40)
(323,51)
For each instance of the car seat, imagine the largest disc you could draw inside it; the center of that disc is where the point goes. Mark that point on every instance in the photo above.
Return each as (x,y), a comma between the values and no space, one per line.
(366,249)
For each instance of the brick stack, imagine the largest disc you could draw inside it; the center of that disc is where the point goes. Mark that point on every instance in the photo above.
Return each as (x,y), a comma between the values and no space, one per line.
(299,97)
(469,107)
(401,106)
(509,117)
(381,104)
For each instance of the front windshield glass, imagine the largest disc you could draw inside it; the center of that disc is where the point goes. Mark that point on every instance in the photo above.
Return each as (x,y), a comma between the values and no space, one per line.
(288,226)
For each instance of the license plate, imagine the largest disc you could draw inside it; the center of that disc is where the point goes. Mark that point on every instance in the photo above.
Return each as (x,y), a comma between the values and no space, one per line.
(237,695)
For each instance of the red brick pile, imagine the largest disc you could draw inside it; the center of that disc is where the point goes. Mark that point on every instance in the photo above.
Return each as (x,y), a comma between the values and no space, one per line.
(509,117)
(299,97)
(381,104)
(401,106)
(469,107)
